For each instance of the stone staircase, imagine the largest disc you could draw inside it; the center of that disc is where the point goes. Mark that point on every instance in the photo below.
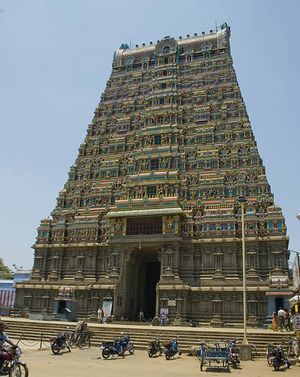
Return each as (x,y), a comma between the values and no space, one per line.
(141,334)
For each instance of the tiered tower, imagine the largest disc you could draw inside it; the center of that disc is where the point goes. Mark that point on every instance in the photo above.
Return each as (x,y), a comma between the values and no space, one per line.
(149,217)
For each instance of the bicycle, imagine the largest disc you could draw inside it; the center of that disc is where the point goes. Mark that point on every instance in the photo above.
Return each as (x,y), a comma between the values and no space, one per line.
(292,348)
(84,339)
(81,339)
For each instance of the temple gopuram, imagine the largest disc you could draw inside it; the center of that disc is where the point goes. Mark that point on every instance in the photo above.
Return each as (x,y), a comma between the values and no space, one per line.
(150,216)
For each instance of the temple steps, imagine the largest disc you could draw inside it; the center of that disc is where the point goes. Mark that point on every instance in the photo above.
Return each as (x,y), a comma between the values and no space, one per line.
(141,334)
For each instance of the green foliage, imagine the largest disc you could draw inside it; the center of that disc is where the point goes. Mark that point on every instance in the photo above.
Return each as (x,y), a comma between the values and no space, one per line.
(5,272)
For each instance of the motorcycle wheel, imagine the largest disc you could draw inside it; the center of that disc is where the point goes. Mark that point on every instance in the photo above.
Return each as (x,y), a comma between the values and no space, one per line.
(71,341)
(150,353)
(276,365)
(105,353)
(168,356)
(54,348)
(269,359)
(131,349)
(19,370)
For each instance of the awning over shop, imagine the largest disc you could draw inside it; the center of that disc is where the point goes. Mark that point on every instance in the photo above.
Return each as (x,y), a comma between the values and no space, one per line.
(295,299)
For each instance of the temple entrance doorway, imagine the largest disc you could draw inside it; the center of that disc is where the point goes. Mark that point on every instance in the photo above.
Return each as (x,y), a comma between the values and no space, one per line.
(143,274)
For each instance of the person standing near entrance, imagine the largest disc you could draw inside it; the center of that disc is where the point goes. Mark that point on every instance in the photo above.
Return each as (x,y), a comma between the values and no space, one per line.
(287,320)
(141,316)
(280,315)
(100,315)
(274,321)
(163,319)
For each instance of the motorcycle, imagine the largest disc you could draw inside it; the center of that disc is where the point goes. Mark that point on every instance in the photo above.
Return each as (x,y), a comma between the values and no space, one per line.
(171,349)
(234,353)
(279,359)
(270,357)
(154,348)
(59,343)
(14,367)
(127,343)
(112,348)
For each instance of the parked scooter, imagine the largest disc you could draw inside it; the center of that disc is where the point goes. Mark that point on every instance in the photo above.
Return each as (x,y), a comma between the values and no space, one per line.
(127,343)
(13,367)
(234,353)
(59,343)
(112,348)
(279,359)
(154,348)
(171,349)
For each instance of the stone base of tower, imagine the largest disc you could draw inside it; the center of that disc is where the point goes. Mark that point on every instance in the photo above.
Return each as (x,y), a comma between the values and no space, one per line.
(198,282)
(182,302)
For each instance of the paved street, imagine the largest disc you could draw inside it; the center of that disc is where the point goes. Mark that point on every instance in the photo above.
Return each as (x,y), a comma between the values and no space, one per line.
(87,363)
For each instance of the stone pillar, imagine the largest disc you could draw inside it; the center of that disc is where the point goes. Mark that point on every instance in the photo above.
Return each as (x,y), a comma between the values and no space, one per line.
(245,352)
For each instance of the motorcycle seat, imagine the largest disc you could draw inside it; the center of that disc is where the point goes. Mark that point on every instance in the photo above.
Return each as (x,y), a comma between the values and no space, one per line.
(107,344)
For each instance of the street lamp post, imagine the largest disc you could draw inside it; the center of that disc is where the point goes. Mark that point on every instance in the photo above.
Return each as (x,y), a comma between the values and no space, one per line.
(242,200)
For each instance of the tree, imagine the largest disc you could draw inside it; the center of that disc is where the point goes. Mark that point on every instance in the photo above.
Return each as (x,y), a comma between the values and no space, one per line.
(5,272)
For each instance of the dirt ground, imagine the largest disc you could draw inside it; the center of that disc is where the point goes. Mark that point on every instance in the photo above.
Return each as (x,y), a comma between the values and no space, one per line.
(87,363)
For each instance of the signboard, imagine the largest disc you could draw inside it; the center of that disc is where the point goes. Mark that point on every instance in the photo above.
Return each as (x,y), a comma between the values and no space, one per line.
(106,307)
(278,279)
(65,291)
(171,302)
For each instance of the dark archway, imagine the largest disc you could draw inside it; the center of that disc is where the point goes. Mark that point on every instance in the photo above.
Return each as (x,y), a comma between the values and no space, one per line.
(143,274)
(152,275)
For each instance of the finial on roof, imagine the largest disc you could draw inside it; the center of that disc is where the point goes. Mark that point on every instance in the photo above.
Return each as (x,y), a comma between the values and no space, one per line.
(124,46)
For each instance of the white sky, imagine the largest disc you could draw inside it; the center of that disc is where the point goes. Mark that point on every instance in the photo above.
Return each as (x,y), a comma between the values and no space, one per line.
(56,57)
